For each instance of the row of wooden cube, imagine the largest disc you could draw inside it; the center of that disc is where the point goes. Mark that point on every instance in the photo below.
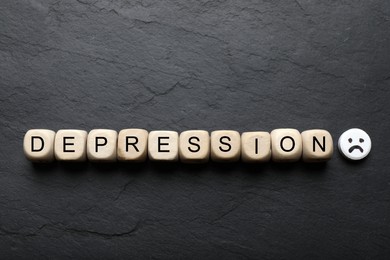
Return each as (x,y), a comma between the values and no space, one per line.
(194,146)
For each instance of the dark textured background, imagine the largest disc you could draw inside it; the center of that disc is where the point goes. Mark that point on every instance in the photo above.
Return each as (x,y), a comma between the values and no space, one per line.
(179,65)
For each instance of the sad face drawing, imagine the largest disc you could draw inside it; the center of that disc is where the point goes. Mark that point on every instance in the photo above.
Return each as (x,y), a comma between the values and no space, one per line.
(355,144)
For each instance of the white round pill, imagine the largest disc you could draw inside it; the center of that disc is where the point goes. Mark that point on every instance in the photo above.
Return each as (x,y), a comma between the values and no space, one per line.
(355,144)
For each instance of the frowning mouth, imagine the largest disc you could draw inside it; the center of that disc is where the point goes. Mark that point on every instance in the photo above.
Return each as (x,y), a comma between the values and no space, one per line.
(355,147)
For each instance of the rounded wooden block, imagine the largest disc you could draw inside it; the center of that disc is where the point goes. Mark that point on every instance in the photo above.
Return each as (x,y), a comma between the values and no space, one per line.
(286,145)
(225,146)
(70,145)
(38,145)
(317,145)
(163,146)
(101,145)
(132,145)
(255,147)
(194,146)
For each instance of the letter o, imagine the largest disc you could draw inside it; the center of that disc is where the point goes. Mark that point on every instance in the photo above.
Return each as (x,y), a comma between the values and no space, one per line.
(292,146)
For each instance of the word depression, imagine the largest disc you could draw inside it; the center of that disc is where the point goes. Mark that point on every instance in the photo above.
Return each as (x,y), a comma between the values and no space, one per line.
(193,146)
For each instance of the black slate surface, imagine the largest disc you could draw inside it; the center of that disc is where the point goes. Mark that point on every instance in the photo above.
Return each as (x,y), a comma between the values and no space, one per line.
(179,65)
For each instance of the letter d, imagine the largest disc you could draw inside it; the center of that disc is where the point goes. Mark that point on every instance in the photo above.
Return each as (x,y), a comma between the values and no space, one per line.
(32,144)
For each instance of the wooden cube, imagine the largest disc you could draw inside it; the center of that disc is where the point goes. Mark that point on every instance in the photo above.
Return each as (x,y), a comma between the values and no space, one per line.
(132,145)
(225,146)
(101,145)
(70,145)
(255,146)
(317,145)
(163,146)
(38,145)
(286,145)
(194,146)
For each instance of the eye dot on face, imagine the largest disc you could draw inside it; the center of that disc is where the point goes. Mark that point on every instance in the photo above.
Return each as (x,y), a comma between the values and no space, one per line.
(350,140)
(361,140)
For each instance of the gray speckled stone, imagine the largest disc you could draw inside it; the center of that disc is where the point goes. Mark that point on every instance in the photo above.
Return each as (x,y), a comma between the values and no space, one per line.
(180,65)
